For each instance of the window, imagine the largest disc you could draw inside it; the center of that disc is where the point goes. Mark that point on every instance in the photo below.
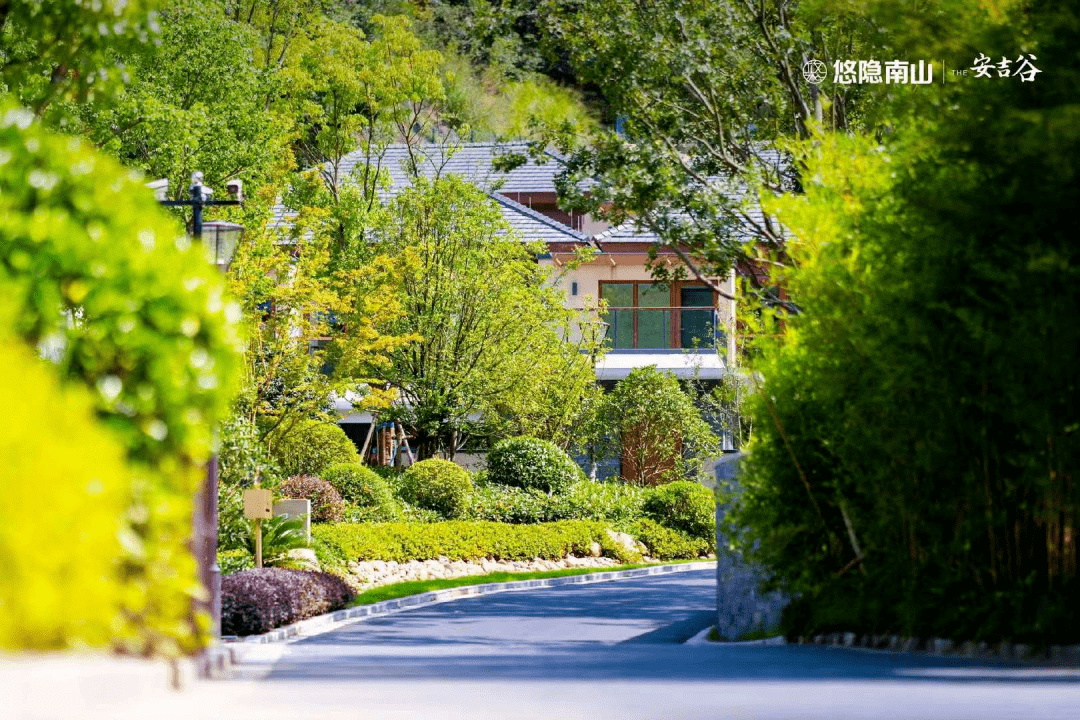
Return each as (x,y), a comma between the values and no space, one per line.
(648,316)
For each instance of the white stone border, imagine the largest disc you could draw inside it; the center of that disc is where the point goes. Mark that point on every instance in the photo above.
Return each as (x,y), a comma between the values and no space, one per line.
(332,621)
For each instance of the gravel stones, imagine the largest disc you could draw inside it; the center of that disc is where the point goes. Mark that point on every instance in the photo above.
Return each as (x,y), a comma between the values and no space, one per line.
(376,573)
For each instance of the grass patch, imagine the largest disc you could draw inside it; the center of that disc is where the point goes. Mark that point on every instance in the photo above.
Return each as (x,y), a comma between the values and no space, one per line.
(416,587)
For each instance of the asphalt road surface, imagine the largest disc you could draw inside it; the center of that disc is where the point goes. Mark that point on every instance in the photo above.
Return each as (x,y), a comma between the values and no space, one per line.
(608,650)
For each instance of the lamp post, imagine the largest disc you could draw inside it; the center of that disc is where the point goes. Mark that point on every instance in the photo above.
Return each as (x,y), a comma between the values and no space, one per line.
(220,240)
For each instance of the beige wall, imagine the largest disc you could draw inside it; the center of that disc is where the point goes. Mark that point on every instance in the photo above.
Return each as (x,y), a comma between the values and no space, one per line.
(606,267)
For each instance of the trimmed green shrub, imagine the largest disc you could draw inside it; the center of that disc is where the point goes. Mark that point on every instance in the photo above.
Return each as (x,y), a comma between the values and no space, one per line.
(531,463)
(233,561)
(257,601)
(391,512)
(326,503)
(311,447)
(358,484)
(437,485)
(685,506)
(504,504)
(458,540)
(667,544)
(617,503)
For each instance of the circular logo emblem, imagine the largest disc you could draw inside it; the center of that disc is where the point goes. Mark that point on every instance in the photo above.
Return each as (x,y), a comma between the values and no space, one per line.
(814,71)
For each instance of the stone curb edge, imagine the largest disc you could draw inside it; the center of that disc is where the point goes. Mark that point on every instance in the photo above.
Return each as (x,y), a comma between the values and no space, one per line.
(702,638)
(215,661)
(1055,654)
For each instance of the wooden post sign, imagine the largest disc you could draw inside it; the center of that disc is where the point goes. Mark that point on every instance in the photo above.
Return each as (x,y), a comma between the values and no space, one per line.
(258,506)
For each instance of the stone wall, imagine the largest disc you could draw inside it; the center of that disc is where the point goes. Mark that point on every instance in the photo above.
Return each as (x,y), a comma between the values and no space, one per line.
(741,606)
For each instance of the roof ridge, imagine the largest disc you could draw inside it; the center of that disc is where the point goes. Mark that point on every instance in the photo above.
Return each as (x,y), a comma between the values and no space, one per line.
(624,225)
(539,216)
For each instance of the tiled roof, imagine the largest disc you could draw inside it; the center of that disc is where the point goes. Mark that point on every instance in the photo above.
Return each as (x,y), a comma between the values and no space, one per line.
(472,161)
(632,231)
(532,225)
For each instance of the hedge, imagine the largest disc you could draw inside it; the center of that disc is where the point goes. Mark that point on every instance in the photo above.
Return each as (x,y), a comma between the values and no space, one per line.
(667,544)
(686,506)
(257,601)
(460,540)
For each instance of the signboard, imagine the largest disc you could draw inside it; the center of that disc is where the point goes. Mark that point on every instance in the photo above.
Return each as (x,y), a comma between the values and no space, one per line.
(258,504)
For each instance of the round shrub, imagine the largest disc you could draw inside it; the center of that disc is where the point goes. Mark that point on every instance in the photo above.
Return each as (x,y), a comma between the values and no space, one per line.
(311,447)
(358,484)
(326,502)
(531,463)
(437,485)
(256,601)
(685,506)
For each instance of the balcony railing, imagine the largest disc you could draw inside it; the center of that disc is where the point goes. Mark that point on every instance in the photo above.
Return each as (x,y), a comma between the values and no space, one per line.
(666,328)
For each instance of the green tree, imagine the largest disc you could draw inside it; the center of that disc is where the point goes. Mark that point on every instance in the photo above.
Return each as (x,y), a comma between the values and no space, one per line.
(487,319)
(653,427)
(195,102)
(54,50)
(910,471)
(703,91)
(311,329)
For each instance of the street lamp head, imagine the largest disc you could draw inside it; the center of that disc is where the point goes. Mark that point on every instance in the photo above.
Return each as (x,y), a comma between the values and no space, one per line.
(196,178)
(235,188)
(220,239)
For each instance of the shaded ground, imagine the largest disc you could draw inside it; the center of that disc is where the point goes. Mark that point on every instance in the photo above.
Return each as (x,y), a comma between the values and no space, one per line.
(611,650)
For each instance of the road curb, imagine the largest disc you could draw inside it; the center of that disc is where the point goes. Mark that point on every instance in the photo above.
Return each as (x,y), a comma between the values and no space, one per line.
(332,621)
(1067,655)
(702,638)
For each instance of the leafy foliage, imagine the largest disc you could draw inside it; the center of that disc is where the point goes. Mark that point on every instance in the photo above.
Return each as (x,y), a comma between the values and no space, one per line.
(257,601)
(108,289)
(243,461)
(654,427)
(461,541)
(279,535)
(506,504)
(196,101)
(915,430)
(234,560)
(703,92)
(688,507)
(437,485)
(531,463)
(491,327)
(359,484)
(616,503)
(326,503)
(54,50)
(313,447)
(65,533)
(665,543)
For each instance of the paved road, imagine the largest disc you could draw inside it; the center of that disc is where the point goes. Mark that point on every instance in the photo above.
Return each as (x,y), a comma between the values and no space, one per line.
(611,650)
